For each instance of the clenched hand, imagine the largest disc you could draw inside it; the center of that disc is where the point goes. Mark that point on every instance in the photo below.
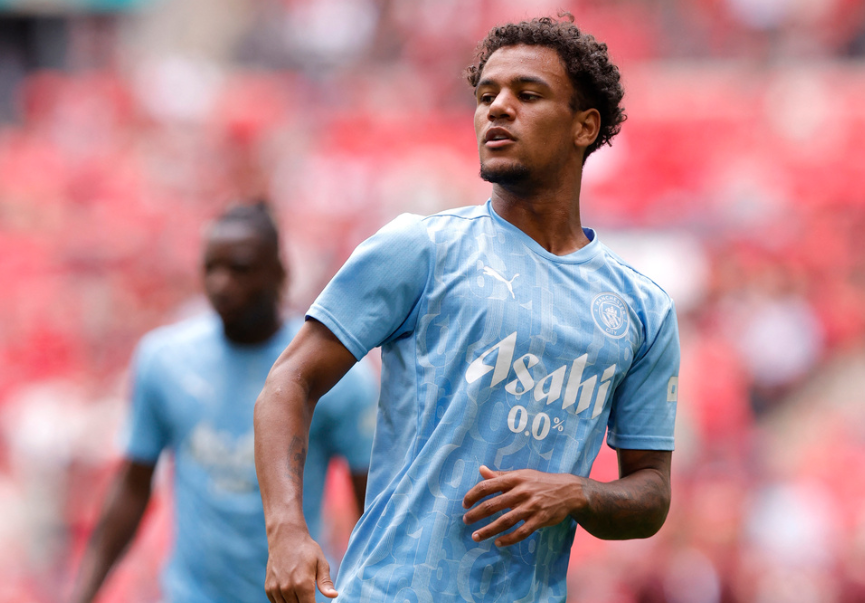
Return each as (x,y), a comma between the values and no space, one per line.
(294,570)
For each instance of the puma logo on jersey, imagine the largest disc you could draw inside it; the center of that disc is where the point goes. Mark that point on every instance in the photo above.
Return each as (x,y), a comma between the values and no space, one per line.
(567,380)
(508,283)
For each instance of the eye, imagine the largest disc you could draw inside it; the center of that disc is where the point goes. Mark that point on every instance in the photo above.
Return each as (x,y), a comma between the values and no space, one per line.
(486,98)
(239,268)
(529,96)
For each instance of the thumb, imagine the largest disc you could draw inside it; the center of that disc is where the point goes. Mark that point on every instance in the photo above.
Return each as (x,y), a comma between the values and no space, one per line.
(488,473)
(322,578)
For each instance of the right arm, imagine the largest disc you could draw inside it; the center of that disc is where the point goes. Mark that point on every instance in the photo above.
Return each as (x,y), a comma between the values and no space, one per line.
(121,516)
(313,362)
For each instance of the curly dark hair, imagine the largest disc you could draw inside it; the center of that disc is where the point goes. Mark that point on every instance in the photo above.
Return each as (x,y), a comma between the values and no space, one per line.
(595,78)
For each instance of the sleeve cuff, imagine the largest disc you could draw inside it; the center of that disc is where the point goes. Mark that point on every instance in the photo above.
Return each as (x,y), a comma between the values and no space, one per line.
(640,442)
(357,349)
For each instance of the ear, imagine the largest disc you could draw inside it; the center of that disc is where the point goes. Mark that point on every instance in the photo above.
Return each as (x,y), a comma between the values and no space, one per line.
(587,126)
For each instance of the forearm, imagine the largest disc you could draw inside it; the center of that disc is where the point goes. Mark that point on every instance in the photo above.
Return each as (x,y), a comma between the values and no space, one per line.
(312,363)
(634,506)
(282,416)
(120,519)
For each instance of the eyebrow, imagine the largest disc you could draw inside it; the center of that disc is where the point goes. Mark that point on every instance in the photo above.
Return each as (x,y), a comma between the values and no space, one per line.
(522,79)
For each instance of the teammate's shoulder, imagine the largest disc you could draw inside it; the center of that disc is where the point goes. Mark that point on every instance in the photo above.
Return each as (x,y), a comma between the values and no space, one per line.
(189,332)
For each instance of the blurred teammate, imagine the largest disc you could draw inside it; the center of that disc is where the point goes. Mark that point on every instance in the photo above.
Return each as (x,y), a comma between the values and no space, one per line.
(512,338)
(195,384)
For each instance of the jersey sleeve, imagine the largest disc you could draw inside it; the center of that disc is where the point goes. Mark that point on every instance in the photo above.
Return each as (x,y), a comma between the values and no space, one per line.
(146,433)
(352,410)
(644,404)
(374,297)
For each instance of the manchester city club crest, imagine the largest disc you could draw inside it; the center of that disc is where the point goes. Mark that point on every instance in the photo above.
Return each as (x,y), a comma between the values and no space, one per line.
(610,314)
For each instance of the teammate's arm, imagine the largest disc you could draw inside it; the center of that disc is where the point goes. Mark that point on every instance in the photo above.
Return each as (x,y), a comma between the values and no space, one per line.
(358,484)
(121,516)
(313,362)
(633,506)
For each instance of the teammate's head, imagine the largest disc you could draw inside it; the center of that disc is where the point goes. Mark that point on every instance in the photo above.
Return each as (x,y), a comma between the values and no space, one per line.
(594,79)
(243,272)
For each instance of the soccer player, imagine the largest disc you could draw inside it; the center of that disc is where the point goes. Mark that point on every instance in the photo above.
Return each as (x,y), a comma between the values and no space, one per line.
(511,339)
(195,384)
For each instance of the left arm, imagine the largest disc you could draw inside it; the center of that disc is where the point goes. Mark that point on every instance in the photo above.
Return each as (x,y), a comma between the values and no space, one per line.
(633,506)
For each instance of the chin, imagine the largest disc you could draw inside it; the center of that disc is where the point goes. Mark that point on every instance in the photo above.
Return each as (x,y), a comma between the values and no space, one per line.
(511,173)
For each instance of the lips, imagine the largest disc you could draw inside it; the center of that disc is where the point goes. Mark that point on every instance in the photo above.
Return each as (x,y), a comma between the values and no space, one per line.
(498,134)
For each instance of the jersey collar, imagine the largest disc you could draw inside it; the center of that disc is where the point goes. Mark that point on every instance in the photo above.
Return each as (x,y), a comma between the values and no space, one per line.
(579,256)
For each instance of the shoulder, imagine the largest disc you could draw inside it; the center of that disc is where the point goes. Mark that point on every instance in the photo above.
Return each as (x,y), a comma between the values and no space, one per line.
(637,286)
(176,338)
(460,214)
(456,219)
(413,227)
(651,305)
(404,231)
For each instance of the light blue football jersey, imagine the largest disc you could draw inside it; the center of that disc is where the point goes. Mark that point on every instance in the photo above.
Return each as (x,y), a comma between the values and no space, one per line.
(495,352)
(194,393)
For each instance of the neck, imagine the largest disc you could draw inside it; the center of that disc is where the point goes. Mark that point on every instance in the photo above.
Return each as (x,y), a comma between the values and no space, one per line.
(251,332)
(550,215)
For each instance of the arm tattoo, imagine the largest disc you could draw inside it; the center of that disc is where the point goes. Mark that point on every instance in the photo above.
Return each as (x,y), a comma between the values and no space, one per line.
(296,460)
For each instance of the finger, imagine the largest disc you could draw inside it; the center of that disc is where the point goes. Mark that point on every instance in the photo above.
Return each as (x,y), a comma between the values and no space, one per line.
(481,491)
(276,596)
(322,578)
(488,473)
(491,485)
(491,506)
(505,522)
(518,535)
(303,594)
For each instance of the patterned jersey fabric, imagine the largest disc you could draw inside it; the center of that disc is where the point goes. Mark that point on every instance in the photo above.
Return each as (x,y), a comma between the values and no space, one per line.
(494,352)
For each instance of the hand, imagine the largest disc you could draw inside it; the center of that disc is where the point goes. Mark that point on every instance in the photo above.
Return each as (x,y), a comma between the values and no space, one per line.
(294,567)
(538,499)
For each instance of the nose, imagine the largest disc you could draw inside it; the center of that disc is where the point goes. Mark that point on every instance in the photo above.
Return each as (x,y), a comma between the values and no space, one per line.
(218,280)
(502,106)
(219,284)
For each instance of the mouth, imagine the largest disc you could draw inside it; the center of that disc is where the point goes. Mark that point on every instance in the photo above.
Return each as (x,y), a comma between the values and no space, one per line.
(498,137)
(225,307)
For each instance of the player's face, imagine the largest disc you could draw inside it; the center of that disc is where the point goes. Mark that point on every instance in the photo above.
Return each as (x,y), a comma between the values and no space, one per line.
(242,275)
(524,121)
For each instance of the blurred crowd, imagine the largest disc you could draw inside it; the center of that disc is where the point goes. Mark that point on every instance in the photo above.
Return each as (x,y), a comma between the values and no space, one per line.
(736,183)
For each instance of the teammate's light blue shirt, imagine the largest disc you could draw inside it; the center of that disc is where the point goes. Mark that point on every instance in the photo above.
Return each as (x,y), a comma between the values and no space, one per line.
(194,393)
(495,352)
